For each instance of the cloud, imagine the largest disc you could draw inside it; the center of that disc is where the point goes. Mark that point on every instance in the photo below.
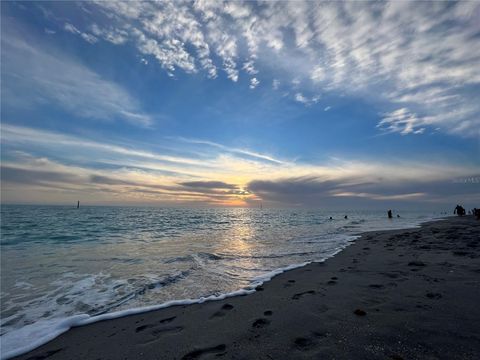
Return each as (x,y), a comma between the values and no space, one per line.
(402,121)
(34,75)
(208,185)
(317,191)
(249,67)
(254,83)
(115,36)
(399,55)
(243,152)
(85,36)
(60,182)
(15,175)
(301,99)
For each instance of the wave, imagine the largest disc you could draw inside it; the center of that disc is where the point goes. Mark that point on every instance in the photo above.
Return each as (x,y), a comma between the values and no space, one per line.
(171,279)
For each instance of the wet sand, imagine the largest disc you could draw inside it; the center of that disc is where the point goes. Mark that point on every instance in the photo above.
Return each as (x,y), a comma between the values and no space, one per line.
(402,294)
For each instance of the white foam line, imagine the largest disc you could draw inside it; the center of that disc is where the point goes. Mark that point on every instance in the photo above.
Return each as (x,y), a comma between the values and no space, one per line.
(83,319)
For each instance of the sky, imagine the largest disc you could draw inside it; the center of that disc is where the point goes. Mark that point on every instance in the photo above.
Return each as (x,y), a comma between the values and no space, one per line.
(211,103)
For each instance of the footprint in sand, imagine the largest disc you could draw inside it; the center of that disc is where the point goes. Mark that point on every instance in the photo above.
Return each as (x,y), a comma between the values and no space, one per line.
(147,326)
(218,350)
(45,355)
(260,323)
(360,312)
(434,296)
(289,283)
(221,312)
(416,263)
(299,295)
(305,343)
(156,333)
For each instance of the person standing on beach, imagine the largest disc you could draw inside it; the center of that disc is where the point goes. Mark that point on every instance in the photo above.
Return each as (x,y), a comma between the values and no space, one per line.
(459,210)
(389,212)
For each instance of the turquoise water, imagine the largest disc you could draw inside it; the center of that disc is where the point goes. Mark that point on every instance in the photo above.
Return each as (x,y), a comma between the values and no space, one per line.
(58,262)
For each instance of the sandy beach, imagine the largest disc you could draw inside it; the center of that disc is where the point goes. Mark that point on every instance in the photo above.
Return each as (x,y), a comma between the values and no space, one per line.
(402,294)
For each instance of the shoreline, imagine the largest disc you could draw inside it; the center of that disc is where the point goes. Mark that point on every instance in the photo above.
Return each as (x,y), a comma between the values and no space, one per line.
(63,325)
(158,333)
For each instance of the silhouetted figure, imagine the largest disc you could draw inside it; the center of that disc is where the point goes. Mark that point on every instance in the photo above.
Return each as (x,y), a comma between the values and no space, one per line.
(330,218)
(78,204)
(346,217)
(398,215)
(476,213)
(459,210)
(389,212)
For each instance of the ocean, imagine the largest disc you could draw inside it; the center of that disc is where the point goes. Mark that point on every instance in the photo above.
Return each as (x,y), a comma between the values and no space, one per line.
(62,266)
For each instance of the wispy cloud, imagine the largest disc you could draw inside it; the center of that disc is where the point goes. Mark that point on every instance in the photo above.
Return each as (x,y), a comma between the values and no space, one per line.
(234,150)
(402,121)
(34,75)
(86,36)
(403,54)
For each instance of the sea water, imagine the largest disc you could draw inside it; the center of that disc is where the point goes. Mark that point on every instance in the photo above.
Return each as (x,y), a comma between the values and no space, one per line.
(62,266)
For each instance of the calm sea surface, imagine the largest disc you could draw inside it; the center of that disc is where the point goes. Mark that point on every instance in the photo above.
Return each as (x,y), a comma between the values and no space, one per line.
(59,261)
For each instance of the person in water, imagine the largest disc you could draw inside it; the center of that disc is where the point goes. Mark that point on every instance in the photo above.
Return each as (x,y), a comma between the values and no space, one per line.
(476,213)
(346,217)
(389,212)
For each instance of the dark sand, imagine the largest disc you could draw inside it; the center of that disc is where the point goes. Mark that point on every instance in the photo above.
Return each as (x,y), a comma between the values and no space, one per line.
(406,294)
